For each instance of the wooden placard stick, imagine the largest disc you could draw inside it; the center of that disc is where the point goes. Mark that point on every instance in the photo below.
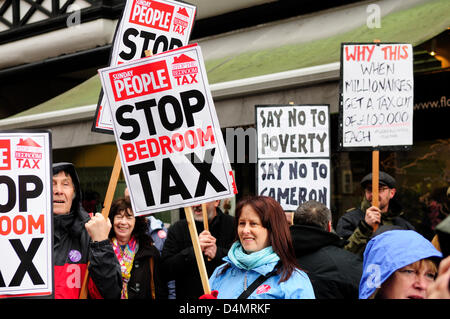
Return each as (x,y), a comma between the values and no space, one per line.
(105,212)
(205,217)
(205,220)
(375,180)
(375,173)
(197,249)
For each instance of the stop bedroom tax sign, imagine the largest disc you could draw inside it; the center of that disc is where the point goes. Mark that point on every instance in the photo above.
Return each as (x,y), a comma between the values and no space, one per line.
(167,131)
(26,250)
(154,25)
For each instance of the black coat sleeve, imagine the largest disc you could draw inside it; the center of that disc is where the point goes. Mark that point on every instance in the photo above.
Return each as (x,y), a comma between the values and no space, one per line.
(346,225)
(162,291)
(104,269)
(178,254)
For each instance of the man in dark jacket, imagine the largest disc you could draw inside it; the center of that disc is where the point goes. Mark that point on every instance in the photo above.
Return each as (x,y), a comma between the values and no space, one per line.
(357,224)
(72,245)
(334,272)
(178,255)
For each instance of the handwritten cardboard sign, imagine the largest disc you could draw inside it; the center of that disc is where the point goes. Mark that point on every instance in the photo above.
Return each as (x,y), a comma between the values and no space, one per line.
(293,153)
(167,131)
(26,265)
(292,131)
(376,95)
(155,25)
(292,182)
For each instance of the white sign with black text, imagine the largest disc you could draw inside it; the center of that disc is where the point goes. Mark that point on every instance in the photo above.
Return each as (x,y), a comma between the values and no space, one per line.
(154,25)
(292,182)
(292,131)
(26,265)
(377,95)
(167,131)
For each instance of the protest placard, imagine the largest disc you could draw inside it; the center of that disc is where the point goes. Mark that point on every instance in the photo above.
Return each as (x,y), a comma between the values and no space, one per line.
(293,153)
(292,182)
(376,95)
(151,25)
(26,251)
(292,131)
(167,132)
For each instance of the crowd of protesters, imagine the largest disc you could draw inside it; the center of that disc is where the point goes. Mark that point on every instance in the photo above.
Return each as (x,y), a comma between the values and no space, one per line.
(260,253)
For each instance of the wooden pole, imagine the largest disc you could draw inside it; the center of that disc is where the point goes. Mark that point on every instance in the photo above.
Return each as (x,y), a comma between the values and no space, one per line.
(197,249)
(105,212)
(375,180)
(205,220)
(205,217)
(375,171)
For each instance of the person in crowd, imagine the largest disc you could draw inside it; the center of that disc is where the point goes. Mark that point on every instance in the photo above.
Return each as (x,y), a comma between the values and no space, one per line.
(178,255)
(139,259)
(226,206)
(334,272)
(72,245)
(261,262)
(440,288)
(398,264)
(357,224)
(158,232)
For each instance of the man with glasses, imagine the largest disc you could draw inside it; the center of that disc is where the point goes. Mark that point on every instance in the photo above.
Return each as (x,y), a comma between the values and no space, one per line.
(357,224)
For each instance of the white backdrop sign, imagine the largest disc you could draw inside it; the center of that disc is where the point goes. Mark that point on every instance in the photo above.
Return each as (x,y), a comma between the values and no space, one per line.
(26,265)
(377,95)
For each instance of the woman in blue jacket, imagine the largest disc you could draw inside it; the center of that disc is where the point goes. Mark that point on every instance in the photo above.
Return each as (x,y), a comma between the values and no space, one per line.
(398,264)
(264,248)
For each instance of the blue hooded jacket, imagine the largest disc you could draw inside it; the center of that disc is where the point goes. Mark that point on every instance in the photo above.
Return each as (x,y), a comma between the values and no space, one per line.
(231,283)
(389,252)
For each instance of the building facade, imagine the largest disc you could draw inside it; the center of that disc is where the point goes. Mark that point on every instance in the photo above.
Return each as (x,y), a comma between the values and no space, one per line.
(256,52)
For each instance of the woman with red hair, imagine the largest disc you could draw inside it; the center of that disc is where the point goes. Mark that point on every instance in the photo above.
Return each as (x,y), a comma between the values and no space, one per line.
(261,263)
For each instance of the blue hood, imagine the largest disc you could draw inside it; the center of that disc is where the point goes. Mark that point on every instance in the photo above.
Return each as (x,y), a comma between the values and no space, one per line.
(388,252)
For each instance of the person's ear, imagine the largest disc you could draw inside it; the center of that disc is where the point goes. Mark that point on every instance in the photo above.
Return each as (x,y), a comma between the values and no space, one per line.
(329,226)
(392,192)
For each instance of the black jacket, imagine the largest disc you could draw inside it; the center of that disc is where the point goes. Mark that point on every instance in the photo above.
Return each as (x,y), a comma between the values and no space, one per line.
(352,226)
(353,217)
(334,272)
(178,256)
(139,284)
(72,249)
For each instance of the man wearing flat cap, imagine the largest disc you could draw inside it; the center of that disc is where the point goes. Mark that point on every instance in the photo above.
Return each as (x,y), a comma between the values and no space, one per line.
(357,224)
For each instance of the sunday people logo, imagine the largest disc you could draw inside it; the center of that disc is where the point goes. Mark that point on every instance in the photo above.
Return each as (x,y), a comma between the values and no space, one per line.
(185,70)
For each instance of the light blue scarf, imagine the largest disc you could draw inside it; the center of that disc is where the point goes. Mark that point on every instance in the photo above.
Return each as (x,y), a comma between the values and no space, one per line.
(253,260)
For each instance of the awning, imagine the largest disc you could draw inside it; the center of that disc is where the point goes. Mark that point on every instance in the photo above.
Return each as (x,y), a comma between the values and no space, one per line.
(282,68)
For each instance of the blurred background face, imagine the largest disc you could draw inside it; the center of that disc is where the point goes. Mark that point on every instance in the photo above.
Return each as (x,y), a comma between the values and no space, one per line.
(410,282)
(384,196)
(124,222)
(210,208)
(252,235)
(63,193)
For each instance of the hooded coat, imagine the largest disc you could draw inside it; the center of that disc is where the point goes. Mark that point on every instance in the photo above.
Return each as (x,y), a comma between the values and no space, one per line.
(334,272)
(72,249)
(388,252)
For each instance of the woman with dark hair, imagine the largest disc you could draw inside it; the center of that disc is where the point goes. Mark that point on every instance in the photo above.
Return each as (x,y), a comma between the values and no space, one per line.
(261,263)
(139,259)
